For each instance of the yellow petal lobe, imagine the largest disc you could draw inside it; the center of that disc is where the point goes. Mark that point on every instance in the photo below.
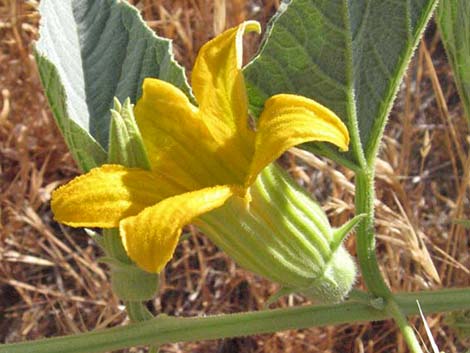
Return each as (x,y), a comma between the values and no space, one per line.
(289,120)
(219,87)
(105,195)
(150,238)
(176,139)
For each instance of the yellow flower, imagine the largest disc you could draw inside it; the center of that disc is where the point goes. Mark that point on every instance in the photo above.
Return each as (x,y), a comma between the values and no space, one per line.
(200,156)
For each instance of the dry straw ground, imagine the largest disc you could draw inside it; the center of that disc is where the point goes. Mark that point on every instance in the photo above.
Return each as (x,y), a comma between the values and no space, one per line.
(51,284)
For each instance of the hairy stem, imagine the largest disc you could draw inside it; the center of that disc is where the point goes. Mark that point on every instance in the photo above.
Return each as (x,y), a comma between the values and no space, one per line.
(365,197)
(365,234)
(168,329)
(405,327)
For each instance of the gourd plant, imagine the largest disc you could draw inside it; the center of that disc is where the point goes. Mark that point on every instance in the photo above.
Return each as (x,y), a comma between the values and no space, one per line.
(349,56)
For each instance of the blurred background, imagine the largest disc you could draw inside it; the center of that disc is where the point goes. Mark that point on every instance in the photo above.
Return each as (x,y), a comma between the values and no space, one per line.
(51,283)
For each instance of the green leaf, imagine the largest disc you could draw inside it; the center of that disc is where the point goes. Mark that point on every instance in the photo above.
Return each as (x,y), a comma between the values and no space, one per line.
(349,55)
(85,150)
(90,52)
(453,19)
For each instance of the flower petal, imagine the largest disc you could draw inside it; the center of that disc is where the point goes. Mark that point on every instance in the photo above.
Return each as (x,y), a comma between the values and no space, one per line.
(150,238)
(288,120)
(105,195)
(176,140)
(219,86)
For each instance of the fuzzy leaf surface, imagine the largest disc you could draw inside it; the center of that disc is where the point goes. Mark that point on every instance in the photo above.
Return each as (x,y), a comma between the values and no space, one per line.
(90,52)
(349,55)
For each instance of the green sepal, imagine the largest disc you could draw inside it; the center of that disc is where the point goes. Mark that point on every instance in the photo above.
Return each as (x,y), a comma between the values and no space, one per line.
(126,146)
(129,282)
(339,234)
(111,243)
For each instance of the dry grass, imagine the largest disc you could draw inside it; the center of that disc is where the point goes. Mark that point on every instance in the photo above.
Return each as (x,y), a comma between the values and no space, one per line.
(50,283)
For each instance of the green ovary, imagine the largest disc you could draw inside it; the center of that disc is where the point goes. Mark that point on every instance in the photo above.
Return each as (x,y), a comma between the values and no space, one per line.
(283,236)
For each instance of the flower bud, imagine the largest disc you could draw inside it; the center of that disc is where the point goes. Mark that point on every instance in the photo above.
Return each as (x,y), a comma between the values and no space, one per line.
(129,282)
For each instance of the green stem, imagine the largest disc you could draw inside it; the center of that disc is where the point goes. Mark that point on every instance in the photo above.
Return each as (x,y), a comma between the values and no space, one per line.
(405,327)
(365,197)
(138,312)
(365,234)
(167,329)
